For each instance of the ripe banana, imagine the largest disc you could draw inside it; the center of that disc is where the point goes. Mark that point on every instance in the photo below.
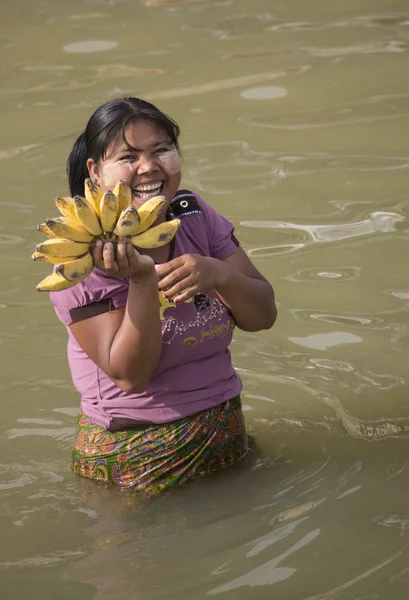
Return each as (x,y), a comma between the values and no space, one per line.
(93,193)
(108,210)
(124,195)
(157,236)
(61,248)
(64,227)
(66,207)
(101,215)
(68,274)
(149,212)
(78,269)
(128,222)
(54,283)
(46,230)
(87,215)
(51,259)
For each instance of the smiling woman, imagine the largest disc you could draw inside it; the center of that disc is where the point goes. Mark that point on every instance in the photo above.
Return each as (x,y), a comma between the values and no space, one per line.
(146,160)
(149,330)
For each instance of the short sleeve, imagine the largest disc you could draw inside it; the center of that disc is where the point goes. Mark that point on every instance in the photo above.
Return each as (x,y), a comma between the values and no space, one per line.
(96,287)
(223,243)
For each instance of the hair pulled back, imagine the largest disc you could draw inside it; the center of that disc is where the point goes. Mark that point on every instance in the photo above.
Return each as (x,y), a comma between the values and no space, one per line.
(106,124)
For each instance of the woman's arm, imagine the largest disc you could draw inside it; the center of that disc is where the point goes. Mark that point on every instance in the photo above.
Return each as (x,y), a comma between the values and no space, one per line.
(126,343)
(245,292)
(241,287)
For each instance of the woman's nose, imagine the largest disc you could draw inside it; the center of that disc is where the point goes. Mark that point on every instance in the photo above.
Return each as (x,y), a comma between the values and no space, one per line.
(146,164)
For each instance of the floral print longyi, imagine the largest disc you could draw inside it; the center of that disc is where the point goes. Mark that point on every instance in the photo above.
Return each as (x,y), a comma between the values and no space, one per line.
(153,458)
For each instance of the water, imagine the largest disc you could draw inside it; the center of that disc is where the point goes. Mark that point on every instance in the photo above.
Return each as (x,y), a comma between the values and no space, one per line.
(294,119)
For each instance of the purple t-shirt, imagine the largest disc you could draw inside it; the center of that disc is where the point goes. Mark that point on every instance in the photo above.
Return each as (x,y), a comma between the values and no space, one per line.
(195,370)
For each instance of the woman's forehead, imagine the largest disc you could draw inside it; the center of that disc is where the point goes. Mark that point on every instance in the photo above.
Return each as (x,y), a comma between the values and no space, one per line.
(141,135)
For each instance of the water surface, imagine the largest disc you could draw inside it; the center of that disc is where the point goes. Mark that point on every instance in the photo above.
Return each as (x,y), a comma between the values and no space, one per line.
(294,118)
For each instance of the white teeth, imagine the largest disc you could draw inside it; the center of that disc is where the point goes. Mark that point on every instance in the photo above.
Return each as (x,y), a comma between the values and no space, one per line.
(147,187)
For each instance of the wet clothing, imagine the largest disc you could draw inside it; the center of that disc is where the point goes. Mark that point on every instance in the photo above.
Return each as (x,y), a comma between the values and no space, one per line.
(153,458)
(185,423)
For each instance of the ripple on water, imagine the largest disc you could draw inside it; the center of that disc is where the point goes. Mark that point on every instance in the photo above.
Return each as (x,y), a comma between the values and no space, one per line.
(88,46)
(338,274)
(20,481)
(12,152)
(401,577)
(7,239)
(367,110)
(323,341)
(267,92)
(350,320)
(266,251)
(377,222)
(87,16)
(332,365)
(215,174)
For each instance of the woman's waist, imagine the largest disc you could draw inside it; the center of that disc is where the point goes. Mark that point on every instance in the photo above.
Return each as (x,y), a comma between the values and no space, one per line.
(164,406)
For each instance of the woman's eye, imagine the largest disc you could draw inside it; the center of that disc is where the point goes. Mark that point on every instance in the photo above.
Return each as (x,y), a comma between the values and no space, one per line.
(161,150)
(127,157)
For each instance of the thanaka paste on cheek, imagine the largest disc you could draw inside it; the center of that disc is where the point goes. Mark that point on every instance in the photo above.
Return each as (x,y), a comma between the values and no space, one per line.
(111,173)
(170,161)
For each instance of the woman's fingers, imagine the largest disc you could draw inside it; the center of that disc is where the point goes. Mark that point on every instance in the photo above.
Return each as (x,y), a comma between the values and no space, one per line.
(180,287)
(186,294)
(121,259)
(97,254)
(108,255)
(122,255)
(130,251)
(166,268)
(173,278)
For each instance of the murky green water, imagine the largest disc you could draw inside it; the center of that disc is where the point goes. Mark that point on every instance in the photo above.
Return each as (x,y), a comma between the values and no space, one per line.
(295,126)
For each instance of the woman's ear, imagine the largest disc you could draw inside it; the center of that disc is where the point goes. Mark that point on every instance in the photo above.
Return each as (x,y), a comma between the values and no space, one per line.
(94,171)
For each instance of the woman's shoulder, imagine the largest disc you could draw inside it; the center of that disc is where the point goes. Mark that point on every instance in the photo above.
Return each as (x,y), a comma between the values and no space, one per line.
(187,204)
(203,224)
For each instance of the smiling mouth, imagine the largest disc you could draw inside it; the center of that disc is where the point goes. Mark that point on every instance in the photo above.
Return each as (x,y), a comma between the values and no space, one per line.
(148,190)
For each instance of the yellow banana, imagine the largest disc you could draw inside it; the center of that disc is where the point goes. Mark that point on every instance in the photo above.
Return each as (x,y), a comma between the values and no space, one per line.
(66,207)
(128,222)
(149,212)
(124,195)
(67,275)
(157,236)
(93,193)
(87,215)
(51,259)
(76,270)
(46,231)
(61,248)
(108,210)
(101,215)
(54,283)
(66,228)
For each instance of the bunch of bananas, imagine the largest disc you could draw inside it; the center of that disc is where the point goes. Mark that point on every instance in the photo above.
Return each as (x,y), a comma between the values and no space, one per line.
(104,215)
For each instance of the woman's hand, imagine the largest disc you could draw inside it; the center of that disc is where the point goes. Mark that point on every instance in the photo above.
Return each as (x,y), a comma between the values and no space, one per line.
(187,275)
(126,261)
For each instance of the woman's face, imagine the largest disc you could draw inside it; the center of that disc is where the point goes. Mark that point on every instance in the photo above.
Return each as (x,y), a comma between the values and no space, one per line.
(151,169)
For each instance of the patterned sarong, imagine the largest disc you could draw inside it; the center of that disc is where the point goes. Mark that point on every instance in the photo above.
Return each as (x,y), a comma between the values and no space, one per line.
(152,458)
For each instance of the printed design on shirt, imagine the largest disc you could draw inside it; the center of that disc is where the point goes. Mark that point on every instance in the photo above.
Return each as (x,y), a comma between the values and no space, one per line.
(209,333)
(202,302)
(203,326)
(165,303)
(184,204)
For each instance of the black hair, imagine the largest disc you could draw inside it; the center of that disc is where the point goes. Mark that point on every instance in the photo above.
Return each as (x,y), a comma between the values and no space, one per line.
(106,124)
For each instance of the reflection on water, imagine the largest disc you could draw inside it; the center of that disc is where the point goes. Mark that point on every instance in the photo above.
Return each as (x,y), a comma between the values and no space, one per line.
(383,222)
(293,127)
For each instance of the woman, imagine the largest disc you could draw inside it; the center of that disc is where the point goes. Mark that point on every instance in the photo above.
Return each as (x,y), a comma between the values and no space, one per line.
(149,331)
